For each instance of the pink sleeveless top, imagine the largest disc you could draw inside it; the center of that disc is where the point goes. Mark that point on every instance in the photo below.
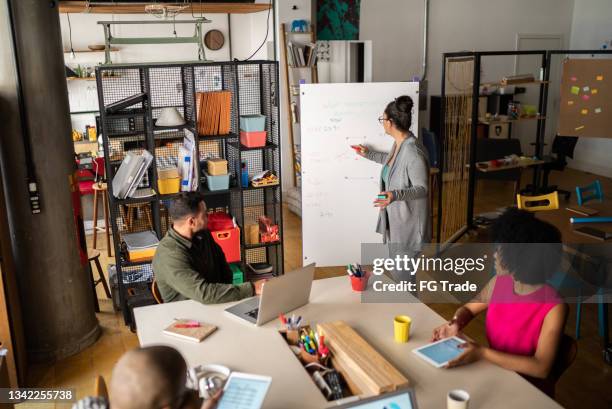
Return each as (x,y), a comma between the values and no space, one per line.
(514,322)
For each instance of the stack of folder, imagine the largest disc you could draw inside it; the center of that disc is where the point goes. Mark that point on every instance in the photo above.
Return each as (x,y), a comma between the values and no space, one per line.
(214,112)
(140,246)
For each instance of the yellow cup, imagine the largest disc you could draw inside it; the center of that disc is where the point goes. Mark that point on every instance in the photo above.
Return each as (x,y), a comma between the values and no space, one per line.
(401,328)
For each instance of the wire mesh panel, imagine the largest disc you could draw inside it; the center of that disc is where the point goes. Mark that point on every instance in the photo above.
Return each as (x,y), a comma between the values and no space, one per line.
(270,104)
(166,84)
(252,88)
(249,89)
(118,84)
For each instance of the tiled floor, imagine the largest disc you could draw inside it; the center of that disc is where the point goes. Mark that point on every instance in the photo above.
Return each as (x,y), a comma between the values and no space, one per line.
(586,384)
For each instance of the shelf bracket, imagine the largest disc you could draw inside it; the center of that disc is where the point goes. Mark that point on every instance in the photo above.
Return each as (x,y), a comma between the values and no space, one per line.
(109,39)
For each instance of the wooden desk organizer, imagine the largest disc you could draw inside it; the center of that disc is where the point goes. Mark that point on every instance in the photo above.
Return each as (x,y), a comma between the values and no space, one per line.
(364,371)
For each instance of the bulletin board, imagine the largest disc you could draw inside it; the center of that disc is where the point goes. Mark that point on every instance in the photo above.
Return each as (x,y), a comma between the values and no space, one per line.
(586,98)
(338,186)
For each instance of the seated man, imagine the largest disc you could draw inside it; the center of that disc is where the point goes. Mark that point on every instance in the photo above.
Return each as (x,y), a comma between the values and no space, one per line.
(189,264)
(149,378)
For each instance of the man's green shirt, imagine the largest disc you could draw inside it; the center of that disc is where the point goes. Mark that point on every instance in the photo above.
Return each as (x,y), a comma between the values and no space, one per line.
(195,269)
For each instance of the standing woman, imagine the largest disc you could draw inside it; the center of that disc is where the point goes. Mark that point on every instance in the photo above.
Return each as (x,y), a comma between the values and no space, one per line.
(404,209)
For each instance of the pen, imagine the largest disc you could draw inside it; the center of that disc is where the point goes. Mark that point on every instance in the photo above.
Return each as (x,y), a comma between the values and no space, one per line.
(188,325)
(297,324)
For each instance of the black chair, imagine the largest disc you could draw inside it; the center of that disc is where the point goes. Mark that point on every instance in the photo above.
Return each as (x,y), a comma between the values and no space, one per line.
(489,149)
(562,148)
(431,144)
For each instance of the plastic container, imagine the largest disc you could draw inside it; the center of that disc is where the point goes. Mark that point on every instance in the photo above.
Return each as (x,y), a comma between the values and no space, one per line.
(253,139)
(244,175)
(219,221)
(216,167)
(217,182)
(253,123)
(237,274)
(168,181)
(229,240)
(359,283)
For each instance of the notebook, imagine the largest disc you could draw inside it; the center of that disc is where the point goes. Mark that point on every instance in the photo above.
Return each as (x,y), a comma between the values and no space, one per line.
(196,334)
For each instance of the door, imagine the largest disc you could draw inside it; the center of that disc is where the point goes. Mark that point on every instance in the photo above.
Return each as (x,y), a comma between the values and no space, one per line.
(531,64)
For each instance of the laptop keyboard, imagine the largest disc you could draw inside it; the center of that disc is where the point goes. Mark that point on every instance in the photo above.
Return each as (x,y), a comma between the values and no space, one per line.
(253,313)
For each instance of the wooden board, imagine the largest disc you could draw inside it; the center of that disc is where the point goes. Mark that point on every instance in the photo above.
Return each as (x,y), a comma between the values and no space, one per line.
(586,98)
(369,372)
(195,7)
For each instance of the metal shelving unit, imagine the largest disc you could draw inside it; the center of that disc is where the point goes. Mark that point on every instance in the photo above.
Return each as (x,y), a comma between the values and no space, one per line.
(254,89)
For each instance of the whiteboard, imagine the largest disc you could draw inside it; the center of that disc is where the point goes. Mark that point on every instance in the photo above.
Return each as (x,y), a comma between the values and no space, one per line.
(338,186)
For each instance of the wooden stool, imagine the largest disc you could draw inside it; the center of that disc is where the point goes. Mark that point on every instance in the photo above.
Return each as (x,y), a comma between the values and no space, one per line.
(94,255)
(101,189)
(127,214)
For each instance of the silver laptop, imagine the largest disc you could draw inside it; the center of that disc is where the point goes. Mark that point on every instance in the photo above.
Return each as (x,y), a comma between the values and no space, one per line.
(401,399)
(279,296)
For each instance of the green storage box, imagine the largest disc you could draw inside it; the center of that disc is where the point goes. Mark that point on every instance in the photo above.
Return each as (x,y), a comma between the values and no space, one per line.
(237,274)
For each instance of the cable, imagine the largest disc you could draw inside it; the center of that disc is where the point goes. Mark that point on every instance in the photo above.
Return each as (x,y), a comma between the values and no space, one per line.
(267,31)
(70,36)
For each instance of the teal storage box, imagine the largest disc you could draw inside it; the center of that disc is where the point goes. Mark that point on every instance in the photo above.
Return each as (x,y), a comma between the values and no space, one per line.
(253,123)
(218,182)
(237,274)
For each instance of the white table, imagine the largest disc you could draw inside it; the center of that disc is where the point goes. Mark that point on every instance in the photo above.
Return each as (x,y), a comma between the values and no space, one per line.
(262,350)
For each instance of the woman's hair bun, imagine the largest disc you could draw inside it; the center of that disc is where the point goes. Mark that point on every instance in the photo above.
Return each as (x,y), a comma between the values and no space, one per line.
(399,112)
(404,104)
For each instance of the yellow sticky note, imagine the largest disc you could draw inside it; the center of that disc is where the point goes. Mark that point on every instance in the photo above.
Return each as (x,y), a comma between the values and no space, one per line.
(570,102)
(598,110)
(575,90)
(584,111)
(599,78)
(594,91)
(579,127)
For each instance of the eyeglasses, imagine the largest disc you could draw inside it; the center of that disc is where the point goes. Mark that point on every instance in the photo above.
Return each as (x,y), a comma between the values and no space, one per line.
(382,119)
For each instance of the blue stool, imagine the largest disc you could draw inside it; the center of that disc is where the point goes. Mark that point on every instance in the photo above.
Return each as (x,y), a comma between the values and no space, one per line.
(562,280)
(590,192)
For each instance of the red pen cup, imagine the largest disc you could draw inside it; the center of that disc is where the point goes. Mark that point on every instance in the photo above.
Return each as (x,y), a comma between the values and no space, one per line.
(360,283)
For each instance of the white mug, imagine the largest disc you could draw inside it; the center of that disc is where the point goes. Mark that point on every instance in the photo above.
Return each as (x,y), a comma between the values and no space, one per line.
(457,399)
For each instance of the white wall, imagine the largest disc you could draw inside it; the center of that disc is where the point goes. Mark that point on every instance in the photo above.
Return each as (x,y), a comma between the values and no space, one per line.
(591,28)
(248,32)
(396,30)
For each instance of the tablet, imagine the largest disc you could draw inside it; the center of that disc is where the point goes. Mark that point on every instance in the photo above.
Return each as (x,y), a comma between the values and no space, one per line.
(400,399)
(244,391)
(440,352)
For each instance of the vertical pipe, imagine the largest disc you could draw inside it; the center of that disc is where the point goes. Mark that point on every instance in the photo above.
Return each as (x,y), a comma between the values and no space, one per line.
(473,139)
(425,40)
(441,149)
(54,284)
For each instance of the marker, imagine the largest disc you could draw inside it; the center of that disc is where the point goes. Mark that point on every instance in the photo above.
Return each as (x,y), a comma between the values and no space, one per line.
(357,148)
(381,197)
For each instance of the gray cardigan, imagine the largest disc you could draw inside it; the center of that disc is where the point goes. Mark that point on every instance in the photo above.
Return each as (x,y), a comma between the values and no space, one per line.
(408,213)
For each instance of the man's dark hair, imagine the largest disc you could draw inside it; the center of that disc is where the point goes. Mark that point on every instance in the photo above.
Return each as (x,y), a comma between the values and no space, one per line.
(186,204)
(529,248)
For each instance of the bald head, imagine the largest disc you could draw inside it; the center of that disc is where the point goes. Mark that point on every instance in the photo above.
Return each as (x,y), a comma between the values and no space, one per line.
(148,378)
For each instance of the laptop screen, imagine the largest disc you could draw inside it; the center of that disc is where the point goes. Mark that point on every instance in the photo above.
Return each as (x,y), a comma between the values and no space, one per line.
(396,401)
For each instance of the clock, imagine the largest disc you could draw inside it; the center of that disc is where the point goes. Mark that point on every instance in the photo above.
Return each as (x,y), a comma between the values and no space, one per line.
(214,40)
